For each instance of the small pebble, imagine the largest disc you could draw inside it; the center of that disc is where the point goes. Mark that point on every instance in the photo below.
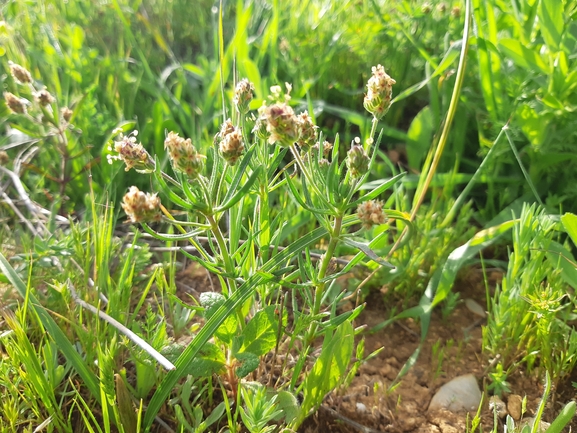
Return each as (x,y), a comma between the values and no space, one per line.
(462,394)
(498,405)
(361,407)
(514,406)
(475,307)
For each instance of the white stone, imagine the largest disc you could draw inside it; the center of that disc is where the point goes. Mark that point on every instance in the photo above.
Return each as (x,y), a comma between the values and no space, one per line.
(462,394)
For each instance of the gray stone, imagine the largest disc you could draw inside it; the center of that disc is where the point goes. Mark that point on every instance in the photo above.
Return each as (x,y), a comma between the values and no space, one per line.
(462,394)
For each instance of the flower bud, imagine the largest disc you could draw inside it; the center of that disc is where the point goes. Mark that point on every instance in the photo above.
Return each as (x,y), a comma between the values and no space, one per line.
(282,124)
(14,103)
(357,161)
(243,94)
(456,12)
(19,73)
(132,153)
(231,146)
(379,90)
(260,129)
(44,97)
(140,206)
(183,155)
(371,213)
(307,131)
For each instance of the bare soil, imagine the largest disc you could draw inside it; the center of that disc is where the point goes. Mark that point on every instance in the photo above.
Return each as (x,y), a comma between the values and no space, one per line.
(370,406)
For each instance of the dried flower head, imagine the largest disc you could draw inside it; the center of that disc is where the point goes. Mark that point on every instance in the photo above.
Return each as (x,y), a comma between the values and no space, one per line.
(327,147)
(456,12)
(14,103)
(19,73)
(371,213)
(140,206)
(379,90)
(357,161)
(66,113)
(307,131)
(132,153)
(231,146)
(243,94)
(44,97)
(183,155)
(281,124)
(4,158)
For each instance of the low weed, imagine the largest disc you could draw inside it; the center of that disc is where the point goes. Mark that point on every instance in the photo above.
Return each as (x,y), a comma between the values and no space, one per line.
(528,314)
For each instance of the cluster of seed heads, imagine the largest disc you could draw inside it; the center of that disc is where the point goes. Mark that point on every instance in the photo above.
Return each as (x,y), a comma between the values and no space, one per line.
(42,97)
(276,123)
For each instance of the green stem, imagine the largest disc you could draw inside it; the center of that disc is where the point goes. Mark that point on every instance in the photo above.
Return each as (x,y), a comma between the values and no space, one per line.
(228,263)
(373,131)
(320,287)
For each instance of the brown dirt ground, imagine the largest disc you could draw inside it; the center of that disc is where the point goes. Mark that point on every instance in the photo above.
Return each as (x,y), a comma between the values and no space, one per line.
(367,406)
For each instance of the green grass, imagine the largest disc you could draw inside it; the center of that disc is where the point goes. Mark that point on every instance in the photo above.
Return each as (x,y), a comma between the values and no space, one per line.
(95,335)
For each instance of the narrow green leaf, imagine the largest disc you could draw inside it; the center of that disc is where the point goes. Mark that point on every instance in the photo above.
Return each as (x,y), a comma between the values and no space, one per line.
(563,418)
(242,294)
(71,355)
(240,193)
(367,251)
(550,13)
(378,190)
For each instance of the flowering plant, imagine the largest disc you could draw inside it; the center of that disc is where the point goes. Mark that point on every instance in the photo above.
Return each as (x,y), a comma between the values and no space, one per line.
(223,203)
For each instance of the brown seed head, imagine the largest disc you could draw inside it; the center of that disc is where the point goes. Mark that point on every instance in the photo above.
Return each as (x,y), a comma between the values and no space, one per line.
(132,153)
(19,73)
(14,103)
(307,131)
(327,147)
(231,146)
(4,158)
(44,97)
(282,124)
(66,113)
(371,213)
(243,94)
(183,155)
(357,161)
(140,206)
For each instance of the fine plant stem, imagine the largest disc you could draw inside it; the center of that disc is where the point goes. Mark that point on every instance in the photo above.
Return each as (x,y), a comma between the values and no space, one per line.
(460,76)
(464,194)
(320,287)
(228,263)
(374,124)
